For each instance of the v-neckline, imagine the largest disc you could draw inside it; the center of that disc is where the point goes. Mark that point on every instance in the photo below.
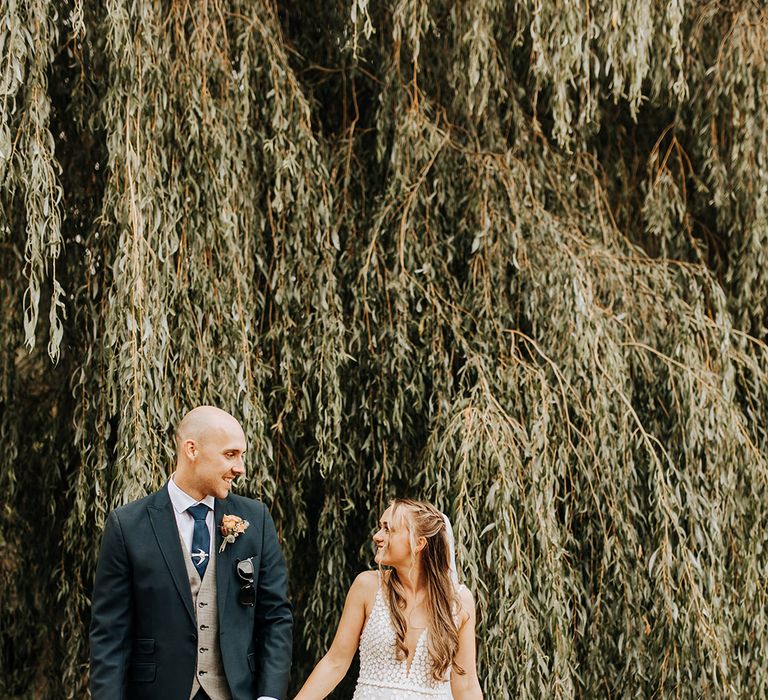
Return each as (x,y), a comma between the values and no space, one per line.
(409,666)
(380,599)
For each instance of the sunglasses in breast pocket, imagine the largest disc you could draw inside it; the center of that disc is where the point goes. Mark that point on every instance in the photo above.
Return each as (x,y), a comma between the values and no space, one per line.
(247,594)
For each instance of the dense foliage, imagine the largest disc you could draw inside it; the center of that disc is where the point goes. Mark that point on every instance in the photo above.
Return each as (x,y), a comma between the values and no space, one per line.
(510,256)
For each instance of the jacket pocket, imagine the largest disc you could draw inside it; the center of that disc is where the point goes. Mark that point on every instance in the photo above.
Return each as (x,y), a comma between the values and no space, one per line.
(252,662)
(143,646)
(142,673)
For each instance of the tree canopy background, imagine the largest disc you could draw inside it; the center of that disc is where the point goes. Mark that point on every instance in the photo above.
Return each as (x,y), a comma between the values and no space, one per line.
(509,256)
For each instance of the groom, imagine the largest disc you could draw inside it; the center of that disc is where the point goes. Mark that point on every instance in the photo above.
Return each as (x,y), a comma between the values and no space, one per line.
(176,618)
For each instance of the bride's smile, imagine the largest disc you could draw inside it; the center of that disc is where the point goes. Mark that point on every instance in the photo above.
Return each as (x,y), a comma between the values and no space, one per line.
(393,547)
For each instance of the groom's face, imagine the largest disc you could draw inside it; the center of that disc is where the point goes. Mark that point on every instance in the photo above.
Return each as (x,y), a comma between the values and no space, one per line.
(219,460)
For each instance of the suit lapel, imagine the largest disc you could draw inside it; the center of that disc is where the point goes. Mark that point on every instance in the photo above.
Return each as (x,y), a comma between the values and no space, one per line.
(224,560)
(163,522)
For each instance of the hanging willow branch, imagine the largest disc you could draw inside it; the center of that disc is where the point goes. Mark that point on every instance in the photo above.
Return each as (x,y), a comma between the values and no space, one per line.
(506,256)
(27,163)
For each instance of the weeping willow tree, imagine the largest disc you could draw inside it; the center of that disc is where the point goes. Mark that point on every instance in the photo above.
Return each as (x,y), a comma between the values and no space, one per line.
(508,256)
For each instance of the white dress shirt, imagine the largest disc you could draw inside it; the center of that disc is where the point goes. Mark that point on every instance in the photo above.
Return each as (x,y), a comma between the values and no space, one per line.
(184,520)
(186,523)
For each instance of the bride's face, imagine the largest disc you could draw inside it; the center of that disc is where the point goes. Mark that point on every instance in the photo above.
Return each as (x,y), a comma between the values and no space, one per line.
(393,546)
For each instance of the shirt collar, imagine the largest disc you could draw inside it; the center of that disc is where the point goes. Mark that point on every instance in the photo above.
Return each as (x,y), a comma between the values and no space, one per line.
(182,500)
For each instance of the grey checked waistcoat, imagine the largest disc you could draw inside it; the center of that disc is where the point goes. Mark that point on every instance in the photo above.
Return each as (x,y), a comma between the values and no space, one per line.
(209,673)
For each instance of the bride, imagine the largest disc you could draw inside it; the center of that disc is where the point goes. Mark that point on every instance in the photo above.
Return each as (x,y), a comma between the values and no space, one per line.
(414,624)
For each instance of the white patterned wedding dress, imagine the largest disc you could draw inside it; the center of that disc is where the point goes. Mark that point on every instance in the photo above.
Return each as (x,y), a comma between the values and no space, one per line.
(382,676)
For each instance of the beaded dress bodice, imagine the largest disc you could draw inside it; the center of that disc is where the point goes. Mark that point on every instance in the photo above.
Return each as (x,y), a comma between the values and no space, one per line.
(382,676)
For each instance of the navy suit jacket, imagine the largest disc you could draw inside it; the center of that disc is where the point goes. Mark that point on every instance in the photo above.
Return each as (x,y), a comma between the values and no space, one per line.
(143,626)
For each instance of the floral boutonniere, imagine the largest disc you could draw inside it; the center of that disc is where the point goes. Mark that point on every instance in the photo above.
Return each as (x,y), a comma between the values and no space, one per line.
(232,527)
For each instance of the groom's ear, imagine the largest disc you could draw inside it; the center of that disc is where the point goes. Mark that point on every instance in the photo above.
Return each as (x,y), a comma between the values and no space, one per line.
(190,449)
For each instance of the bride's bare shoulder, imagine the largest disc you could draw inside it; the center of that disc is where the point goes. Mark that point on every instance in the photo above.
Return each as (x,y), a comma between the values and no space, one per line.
(368,578)
(467,601)
(363,589)
(366,583)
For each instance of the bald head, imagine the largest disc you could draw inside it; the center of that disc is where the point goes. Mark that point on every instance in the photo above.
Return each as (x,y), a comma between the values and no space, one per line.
(210,445)
(200,422)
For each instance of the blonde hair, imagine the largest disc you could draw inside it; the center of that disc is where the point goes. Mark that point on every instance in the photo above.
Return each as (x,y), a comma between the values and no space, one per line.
(442,602)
